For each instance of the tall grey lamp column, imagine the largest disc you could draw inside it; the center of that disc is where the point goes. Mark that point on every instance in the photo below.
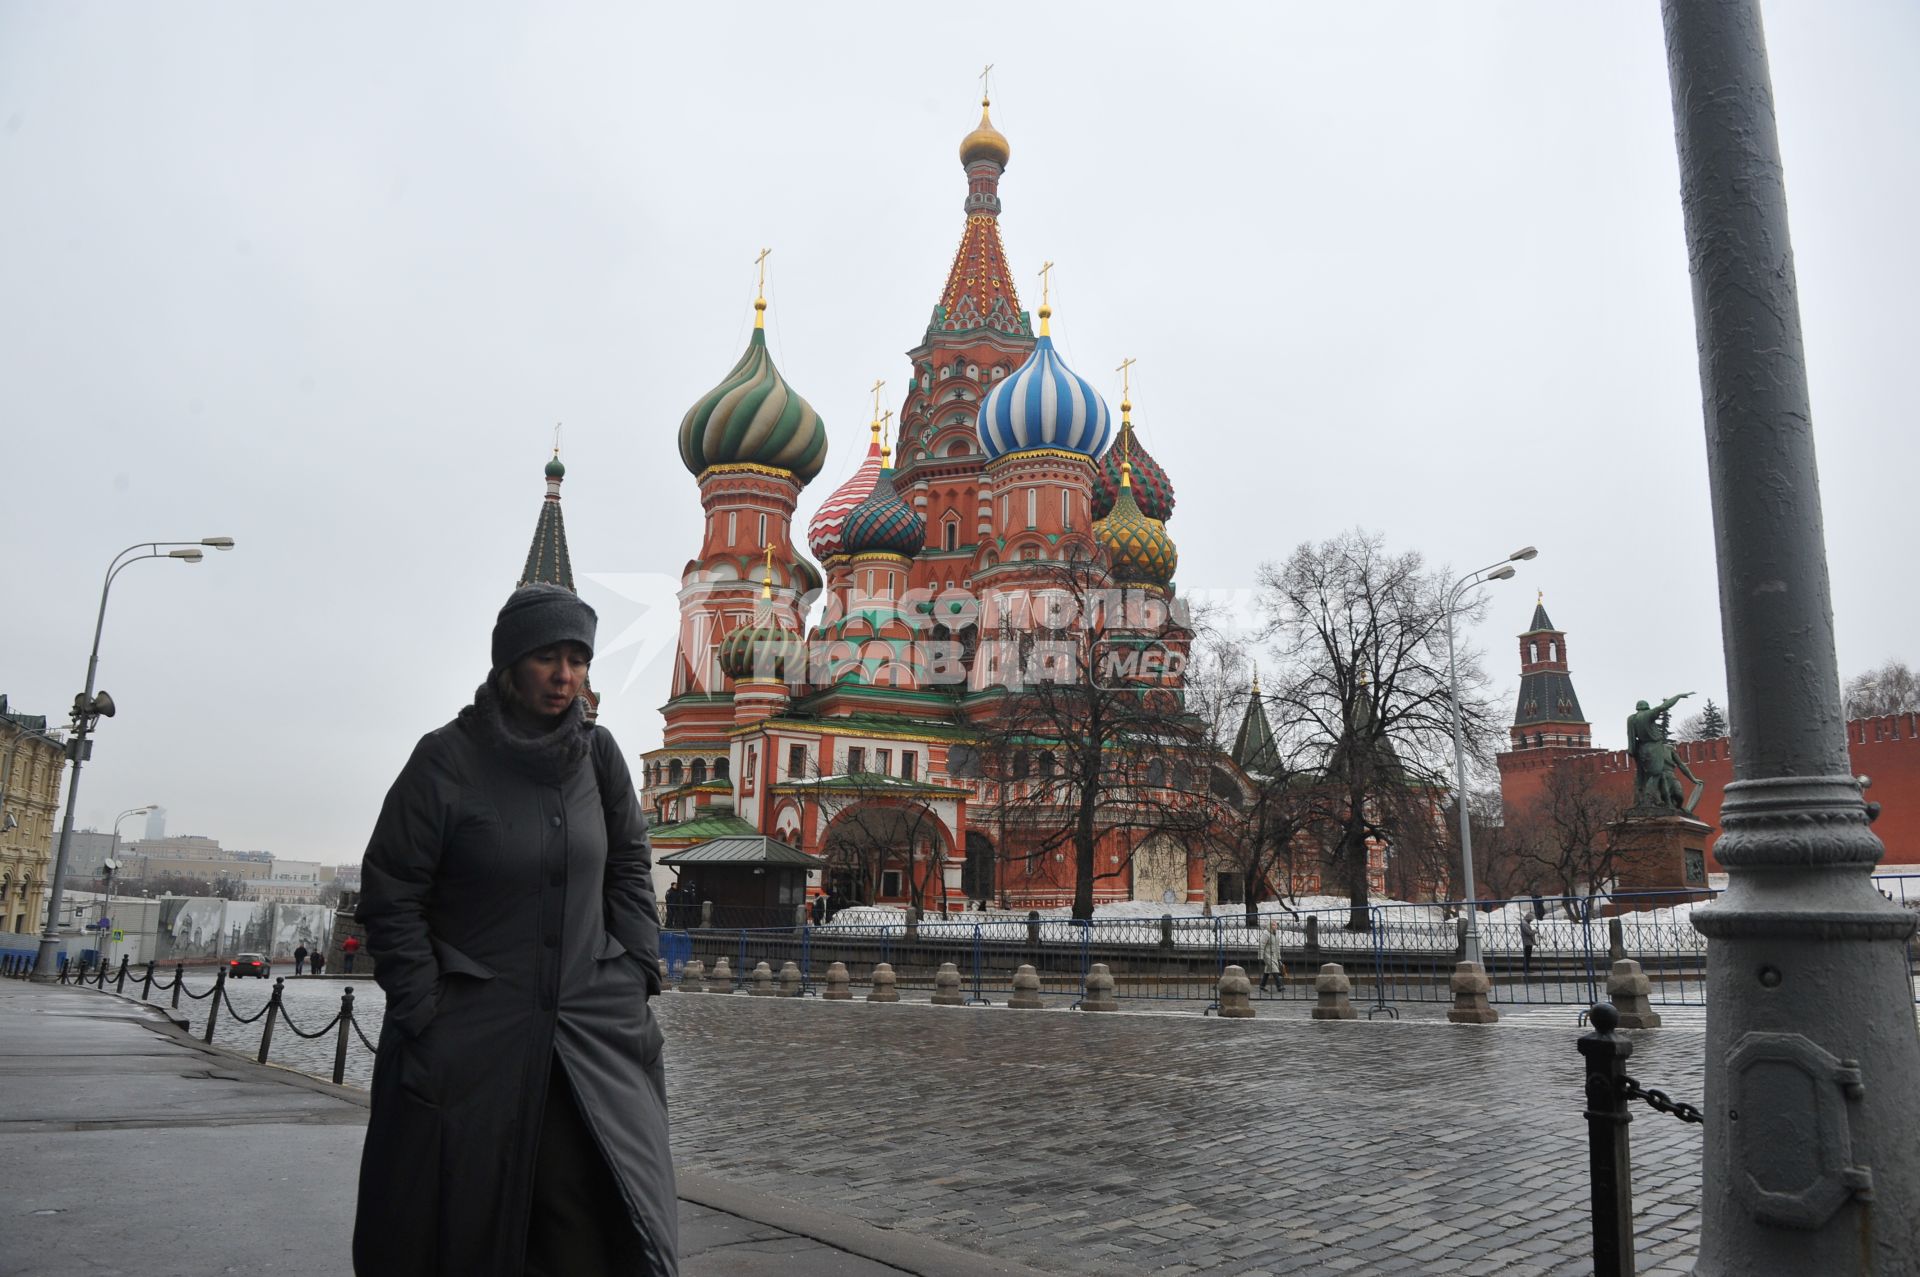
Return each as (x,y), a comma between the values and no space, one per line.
(1812,1159)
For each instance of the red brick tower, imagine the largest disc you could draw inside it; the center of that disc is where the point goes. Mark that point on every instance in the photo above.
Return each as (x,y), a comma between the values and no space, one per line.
(976,338)
(1548,715)
(752,443)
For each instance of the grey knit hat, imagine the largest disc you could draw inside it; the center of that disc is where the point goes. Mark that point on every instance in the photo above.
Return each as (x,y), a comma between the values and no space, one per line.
(537,616)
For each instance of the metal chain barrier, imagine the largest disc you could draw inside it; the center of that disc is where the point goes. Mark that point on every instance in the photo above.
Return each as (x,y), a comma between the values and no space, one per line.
(242,1019)
(1660,1102)
(362,1035)
(298,1032)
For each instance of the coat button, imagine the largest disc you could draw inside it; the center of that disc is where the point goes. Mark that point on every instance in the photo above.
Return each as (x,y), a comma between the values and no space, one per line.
(555,822)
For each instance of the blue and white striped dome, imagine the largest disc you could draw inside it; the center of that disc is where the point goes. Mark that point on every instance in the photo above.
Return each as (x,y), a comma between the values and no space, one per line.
(1044,404)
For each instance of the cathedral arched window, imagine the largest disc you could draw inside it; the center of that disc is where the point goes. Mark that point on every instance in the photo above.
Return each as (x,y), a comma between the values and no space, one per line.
(1533,652)
(722,768)
(674,772)
(950,535)
(1553,651)
(699,771)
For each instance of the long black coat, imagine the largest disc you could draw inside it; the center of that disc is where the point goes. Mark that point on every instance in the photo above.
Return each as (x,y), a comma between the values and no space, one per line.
(510,920)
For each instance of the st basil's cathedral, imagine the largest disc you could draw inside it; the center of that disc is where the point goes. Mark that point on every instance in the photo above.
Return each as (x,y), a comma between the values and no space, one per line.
(1006,464)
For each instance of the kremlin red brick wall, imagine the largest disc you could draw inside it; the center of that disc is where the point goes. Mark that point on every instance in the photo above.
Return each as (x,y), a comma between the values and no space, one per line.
(1885,749)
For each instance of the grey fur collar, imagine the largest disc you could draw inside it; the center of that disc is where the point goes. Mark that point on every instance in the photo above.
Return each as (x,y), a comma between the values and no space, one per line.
(549,756)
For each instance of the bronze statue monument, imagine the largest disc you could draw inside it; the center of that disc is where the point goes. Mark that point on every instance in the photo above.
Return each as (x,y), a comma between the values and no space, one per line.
(1656,762)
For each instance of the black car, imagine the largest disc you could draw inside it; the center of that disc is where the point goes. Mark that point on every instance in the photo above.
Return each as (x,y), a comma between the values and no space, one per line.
(250,964)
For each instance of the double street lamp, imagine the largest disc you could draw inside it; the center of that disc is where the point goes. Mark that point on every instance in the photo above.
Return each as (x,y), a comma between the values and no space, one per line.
(1480,576)
(88,709)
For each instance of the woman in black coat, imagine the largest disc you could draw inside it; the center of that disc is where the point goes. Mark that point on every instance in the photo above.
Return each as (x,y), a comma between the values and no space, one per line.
(519,1118)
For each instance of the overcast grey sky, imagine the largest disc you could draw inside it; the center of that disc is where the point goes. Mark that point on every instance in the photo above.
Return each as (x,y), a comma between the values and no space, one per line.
(323,278)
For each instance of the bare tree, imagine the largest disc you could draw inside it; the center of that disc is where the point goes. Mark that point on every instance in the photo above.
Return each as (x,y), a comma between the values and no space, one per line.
(1563,832)
(1890,689)
(1090,737)
(1261,792)
(1362,640)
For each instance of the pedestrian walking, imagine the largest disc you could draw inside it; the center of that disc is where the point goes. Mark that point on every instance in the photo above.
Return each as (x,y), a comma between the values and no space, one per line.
(299,958)
(519,1119)
(348,947)
(319,960)
(1526,945)
(818,910)
(1272,965)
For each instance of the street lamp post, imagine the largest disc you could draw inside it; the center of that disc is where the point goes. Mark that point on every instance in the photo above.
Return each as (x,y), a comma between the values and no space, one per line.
(1479,576)
(88,709)
(112,867)
(1812,1158)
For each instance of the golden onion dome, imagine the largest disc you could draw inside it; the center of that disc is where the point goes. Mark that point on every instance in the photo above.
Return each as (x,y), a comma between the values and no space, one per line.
(985,142)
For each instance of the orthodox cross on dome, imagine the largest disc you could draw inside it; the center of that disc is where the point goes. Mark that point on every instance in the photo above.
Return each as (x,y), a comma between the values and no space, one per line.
(878,386)
(766,589)
(886,448)
(760,290)
(986,95)
(1046,306)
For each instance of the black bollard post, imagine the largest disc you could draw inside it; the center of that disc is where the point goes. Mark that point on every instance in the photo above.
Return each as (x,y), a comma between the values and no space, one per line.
(1608,1158)
(146,987)
(120,983)
(179,978)
(340,1044)
(213,1001)
(273,1013)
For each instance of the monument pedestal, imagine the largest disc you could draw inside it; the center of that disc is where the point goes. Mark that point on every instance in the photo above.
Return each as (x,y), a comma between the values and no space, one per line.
(1659,849)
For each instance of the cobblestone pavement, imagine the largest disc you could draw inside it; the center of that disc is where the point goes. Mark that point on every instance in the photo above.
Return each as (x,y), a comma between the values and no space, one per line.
(1121,1144)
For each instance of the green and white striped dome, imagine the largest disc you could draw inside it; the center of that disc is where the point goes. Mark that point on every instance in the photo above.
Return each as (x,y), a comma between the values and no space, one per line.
(754,418)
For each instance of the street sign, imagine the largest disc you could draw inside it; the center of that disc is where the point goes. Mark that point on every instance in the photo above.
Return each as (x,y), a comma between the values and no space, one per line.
(118,935)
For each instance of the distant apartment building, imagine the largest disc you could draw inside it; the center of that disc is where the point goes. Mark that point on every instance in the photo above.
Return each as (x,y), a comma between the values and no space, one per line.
(191,856)
(156,824)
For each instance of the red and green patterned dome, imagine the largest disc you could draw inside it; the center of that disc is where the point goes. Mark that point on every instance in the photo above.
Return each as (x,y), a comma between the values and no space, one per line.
(884,523)
(1152,490)
(1138,548)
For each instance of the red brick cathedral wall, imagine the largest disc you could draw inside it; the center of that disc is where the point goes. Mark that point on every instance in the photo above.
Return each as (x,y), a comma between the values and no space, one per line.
(1885,749)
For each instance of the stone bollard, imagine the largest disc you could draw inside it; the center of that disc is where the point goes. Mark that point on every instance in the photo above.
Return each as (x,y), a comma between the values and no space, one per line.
(1616,950)
(1166,933)
(790,981)
(666,976)
(1310,946)
(884,984)
(1236,994)
(1333,994)
(721,981)
(1099,995)
(839,985)
(706,914)
(1470,984)
(1630,992)
(762,981)
(946,986)
(692,976)
(1033,927)
(1026,989)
